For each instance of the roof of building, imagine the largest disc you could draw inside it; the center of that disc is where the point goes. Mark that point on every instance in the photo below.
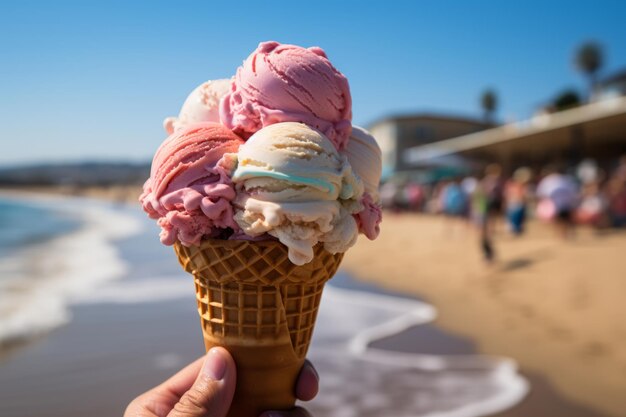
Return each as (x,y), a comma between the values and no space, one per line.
(603,122)
(430,116)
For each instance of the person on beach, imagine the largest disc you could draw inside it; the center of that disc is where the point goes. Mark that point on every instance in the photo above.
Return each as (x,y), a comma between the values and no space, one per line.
(493,186)
(205,388)
(454,199)
(592,210)
(469,184)
(414,196)
(516,196)
(616,195)
(560,191)
(454,204)
(479,216)
(487,203)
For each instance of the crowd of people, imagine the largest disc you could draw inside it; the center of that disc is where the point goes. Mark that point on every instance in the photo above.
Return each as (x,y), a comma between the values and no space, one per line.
(582,194)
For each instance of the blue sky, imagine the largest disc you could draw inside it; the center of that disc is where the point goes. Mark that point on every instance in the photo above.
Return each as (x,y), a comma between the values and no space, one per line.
(94,80)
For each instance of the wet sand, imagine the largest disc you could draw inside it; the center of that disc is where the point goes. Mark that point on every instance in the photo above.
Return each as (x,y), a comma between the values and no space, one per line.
(109,353)
(553,306)
(542,401)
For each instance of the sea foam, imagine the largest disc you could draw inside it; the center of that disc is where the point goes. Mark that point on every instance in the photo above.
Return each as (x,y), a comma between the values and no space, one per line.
(367,381)
(40,281)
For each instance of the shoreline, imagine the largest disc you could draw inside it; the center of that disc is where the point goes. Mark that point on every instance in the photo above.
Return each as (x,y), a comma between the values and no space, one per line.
(543,399)
(46,275)
(120,194)
(575,341)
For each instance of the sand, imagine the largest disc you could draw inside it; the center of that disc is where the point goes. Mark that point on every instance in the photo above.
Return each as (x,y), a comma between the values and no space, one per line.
(552,305)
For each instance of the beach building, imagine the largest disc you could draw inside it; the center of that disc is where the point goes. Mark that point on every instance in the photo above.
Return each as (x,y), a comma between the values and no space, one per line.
(595,130)
(397,134)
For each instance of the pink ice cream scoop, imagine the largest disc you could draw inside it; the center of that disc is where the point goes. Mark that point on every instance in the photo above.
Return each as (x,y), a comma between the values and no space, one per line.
(368,220)
(189,191)
(288,83)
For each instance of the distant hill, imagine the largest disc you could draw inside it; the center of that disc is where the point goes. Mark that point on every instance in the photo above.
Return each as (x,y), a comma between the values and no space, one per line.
(80,174)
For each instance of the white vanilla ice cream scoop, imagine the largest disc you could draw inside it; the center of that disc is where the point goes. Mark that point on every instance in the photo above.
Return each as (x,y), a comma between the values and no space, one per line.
(202,105)
(365,158)
(294,185)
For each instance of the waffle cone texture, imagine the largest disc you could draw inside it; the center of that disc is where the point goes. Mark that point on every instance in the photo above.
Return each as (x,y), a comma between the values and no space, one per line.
(262,308)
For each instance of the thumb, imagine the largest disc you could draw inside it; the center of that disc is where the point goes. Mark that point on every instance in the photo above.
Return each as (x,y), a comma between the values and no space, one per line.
(212,392)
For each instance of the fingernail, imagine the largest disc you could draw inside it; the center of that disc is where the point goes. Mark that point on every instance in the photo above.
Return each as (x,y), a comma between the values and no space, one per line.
(214,365)
(313,370)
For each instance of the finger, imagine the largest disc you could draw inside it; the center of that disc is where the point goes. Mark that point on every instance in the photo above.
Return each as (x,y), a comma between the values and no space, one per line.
(307,384)
(213,389)
(159,401)
(294,412)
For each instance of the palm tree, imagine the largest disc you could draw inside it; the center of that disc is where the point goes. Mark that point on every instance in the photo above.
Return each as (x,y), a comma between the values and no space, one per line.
(489,103)
(588,60)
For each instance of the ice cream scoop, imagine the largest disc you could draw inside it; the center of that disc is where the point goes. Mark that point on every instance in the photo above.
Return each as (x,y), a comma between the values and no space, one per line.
(202,105)
(294,185)
(288,83)
(365,157)
(189,190)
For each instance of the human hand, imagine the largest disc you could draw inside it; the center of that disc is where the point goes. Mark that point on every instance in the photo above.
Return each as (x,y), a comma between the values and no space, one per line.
(205,388)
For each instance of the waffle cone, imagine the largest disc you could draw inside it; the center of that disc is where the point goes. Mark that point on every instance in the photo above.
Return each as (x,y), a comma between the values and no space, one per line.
(261,307)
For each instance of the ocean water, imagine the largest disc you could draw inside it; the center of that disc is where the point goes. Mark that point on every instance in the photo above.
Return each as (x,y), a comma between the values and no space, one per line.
(23,224)
(51,251)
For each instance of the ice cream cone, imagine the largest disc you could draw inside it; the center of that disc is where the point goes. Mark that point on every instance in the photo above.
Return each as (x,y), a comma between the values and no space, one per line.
(262,308)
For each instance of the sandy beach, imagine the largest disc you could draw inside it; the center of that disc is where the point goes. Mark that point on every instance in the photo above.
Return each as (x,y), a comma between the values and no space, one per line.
(553,306)
(540,305)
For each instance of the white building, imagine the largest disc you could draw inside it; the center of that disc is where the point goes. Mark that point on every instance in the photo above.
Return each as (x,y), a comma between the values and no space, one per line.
(396,134)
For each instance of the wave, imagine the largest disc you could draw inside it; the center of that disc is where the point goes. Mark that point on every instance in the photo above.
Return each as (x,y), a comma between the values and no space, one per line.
(40,281)
(139,291)
(411,384)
